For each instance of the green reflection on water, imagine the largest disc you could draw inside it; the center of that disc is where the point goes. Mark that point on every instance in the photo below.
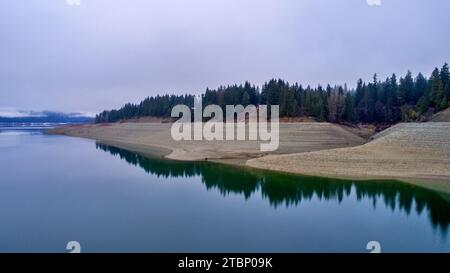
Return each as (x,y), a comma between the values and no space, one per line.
(290,190)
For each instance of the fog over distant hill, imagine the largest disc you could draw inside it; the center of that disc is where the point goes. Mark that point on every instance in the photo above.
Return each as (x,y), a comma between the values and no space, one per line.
(43,117)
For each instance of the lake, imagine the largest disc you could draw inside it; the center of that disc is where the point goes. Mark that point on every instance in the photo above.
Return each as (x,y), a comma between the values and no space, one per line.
(56,189)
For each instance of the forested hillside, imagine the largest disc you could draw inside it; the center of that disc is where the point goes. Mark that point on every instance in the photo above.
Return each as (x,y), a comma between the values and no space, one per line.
(409,98)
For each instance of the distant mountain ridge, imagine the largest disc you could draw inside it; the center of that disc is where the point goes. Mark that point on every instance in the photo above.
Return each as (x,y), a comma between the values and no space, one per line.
(49,117)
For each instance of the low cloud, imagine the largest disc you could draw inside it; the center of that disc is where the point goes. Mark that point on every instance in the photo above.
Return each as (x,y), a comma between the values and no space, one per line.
(83,114)
(9,112)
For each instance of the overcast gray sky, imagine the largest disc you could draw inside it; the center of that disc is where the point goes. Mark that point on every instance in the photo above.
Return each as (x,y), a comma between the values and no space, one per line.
(103,53)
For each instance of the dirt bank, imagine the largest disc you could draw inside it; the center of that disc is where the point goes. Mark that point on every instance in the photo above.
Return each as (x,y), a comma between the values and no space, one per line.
(413,152)
(294,138)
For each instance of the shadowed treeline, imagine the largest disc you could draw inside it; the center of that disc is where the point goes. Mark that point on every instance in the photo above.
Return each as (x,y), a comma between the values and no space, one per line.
(291,190)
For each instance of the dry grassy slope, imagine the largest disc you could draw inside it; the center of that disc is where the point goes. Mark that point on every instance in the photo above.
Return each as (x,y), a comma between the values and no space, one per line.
(415,152)
(443,116)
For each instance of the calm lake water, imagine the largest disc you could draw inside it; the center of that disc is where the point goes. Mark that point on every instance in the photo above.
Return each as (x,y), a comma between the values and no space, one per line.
(56,189)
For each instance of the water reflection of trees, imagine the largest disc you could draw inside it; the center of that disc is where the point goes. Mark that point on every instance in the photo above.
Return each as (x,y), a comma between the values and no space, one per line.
(290,190)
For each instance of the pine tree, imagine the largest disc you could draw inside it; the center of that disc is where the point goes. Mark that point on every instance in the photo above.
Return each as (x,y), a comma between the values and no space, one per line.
(436,89)
(391,99)
(349,110)
(420,88)
(322,104)
(246,99)
(423,104)
(445,79)
(444,74)
(340,104)
(359,94)
(405,89)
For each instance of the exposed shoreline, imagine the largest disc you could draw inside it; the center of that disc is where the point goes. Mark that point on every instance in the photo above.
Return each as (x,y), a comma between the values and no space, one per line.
(401,153)
(417,153)
(294,138)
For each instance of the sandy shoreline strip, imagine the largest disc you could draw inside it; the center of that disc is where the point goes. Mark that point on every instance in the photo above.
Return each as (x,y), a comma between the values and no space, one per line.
(417,152)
